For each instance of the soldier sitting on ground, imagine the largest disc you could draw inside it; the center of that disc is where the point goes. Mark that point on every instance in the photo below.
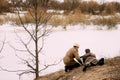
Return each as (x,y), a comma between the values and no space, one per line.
(89,59)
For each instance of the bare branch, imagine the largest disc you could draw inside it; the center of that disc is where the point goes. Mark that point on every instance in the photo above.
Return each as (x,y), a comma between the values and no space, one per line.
(25,45)
(17,49)
(26,72)
(45,32)
(26,62)
(46,66)
(24,25)
(12,70)
(19,72)
(3,43)
(31,14)
(42,45)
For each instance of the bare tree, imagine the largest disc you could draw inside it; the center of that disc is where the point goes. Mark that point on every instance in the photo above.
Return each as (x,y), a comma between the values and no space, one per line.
(37,35)
(39,32)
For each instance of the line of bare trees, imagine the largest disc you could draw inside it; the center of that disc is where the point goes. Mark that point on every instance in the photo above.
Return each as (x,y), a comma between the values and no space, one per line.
(86,7)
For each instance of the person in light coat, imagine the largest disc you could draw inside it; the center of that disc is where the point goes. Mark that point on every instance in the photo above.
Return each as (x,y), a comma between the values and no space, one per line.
(69,59)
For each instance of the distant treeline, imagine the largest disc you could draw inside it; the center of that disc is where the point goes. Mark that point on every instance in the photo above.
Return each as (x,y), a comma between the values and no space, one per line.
(90,7)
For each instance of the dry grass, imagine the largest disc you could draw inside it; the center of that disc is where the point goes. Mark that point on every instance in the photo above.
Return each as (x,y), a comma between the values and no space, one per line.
(3,19)
(29,17)
(110,22)
(71,18)
(114,72)
(78,18)
(68,19)
(26,19)
(109,71)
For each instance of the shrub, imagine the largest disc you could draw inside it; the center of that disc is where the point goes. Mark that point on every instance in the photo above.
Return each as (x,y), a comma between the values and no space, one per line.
(4,6)
(3,19)
(68,19)
(109,9)
(109,21)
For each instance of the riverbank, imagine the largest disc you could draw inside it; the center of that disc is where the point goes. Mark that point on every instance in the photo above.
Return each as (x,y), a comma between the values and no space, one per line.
(109,71)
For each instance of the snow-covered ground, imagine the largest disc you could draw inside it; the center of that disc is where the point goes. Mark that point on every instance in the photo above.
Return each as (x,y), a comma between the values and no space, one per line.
(104,43)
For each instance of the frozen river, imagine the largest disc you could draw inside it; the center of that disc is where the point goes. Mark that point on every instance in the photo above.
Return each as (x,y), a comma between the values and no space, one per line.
(104,43)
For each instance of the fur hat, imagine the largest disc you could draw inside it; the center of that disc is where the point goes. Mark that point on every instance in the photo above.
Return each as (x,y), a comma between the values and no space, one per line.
(76,45)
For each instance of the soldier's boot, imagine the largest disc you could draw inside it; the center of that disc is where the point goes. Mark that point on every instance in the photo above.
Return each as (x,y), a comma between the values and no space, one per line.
(85,67)
(66,68)
(101,61)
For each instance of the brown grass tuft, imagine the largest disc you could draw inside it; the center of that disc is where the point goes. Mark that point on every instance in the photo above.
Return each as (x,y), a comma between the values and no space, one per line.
(71,18)
(114,72)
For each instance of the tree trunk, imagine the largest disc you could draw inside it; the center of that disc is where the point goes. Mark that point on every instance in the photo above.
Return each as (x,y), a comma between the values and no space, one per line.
(36,40)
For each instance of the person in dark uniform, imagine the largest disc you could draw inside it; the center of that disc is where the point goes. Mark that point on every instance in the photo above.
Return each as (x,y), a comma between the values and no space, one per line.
(89,59)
